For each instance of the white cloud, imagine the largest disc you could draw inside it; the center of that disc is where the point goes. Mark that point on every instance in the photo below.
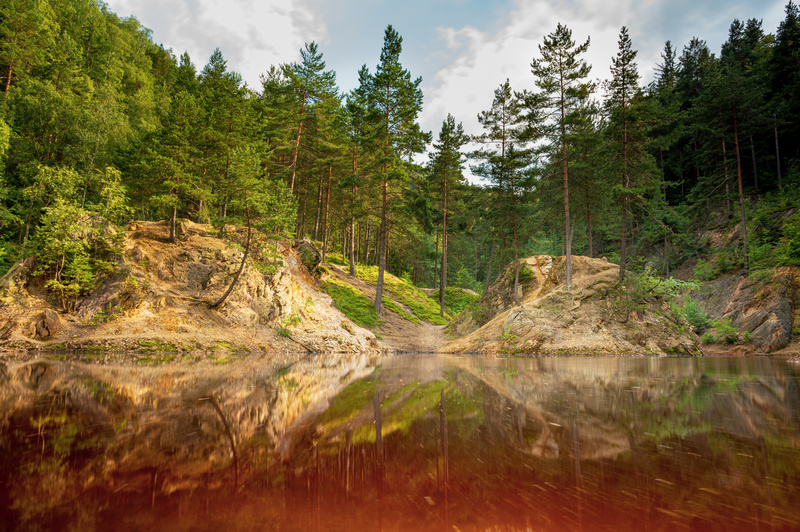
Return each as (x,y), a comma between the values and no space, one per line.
(479,61)
(252,34)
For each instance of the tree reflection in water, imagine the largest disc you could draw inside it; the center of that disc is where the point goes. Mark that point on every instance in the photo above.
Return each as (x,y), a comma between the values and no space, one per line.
(548,443)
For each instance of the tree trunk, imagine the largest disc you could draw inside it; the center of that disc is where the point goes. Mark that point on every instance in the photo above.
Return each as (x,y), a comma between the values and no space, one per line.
(516,257)
(727,187)
(366,244)
(319,209)
(353,216)
(383,245)
(778,154)
(589,222)
(568,240)
(327,209)
(172,220)
(623,256)
(436,262)
(443,283)
(741,190)
(244,260)
(755,169)
(489,267)
(297,141)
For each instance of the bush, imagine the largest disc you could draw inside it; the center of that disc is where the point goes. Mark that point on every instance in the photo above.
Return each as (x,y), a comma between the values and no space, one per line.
(695,315)
(704,271)
(789,248)
(726,332)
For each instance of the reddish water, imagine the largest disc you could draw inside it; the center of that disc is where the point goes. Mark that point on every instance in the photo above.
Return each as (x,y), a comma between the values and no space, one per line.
(573,443)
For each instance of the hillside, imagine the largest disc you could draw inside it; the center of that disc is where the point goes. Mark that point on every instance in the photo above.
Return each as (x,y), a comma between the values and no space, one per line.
(597,316)
(157,300)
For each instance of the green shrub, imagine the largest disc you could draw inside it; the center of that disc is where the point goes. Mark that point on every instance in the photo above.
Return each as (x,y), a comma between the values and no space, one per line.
(695,315)
(789,248)
(726,332)
(704,271)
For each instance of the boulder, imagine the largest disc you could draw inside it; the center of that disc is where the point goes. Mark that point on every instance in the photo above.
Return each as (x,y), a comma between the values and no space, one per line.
(48,324)
(309,254)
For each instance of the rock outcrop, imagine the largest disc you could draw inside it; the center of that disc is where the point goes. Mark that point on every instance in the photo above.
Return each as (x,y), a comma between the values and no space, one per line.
(158,299)
(597,316)
(761,305)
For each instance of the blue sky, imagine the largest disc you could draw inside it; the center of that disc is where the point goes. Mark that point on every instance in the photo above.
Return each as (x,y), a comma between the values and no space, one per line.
(463,49)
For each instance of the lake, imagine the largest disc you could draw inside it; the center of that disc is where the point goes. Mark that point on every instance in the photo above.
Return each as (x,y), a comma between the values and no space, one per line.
(427,442)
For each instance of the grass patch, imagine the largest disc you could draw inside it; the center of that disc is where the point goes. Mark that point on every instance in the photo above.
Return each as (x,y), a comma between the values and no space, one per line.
(408,295)
(157,346)
(351,302)
(455,299)
(397,309)
(335,258)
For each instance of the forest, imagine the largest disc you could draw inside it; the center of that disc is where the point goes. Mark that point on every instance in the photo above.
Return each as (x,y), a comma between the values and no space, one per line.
(100,126)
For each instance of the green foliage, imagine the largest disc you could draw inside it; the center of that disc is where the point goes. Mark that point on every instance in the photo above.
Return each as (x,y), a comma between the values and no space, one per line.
(335,258)
(646,285)
(704,271)
(70,243)
(722,332)
(694,314)
(789,249)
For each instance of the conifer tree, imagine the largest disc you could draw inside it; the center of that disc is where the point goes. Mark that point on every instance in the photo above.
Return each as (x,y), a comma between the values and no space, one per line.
(561,78)
(624,106)
(504,125)
(445,167)
(396,100)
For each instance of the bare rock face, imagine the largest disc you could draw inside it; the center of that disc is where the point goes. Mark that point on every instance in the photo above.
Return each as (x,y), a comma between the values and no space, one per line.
(160,294)
(12,285)
(48,324)
(595,317)
(761,305)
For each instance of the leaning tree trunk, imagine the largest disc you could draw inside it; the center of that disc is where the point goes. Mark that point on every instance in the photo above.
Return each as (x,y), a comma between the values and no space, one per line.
(221,300)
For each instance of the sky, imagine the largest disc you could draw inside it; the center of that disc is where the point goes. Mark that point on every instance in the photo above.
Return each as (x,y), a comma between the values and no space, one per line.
(462,49)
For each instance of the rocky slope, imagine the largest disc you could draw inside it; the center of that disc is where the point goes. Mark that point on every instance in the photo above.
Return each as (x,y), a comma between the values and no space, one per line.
(596,316)
(763,306)
(158,300)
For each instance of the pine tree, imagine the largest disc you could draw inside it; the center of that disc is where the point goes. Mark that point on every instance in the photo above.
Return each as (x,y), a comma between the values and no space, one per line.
(396,100)
(310,85)
(445,167)
(627,131)
(561,78)
(504,125)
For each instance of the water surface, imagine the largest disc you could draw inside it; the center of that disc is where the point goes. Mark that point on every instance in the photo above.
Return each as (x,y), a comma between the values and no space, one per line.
(426,443)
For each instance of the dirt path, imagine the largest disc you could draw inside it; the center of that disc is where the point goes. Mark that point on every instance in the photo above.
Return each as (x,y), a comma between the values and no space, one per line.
(407,337)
